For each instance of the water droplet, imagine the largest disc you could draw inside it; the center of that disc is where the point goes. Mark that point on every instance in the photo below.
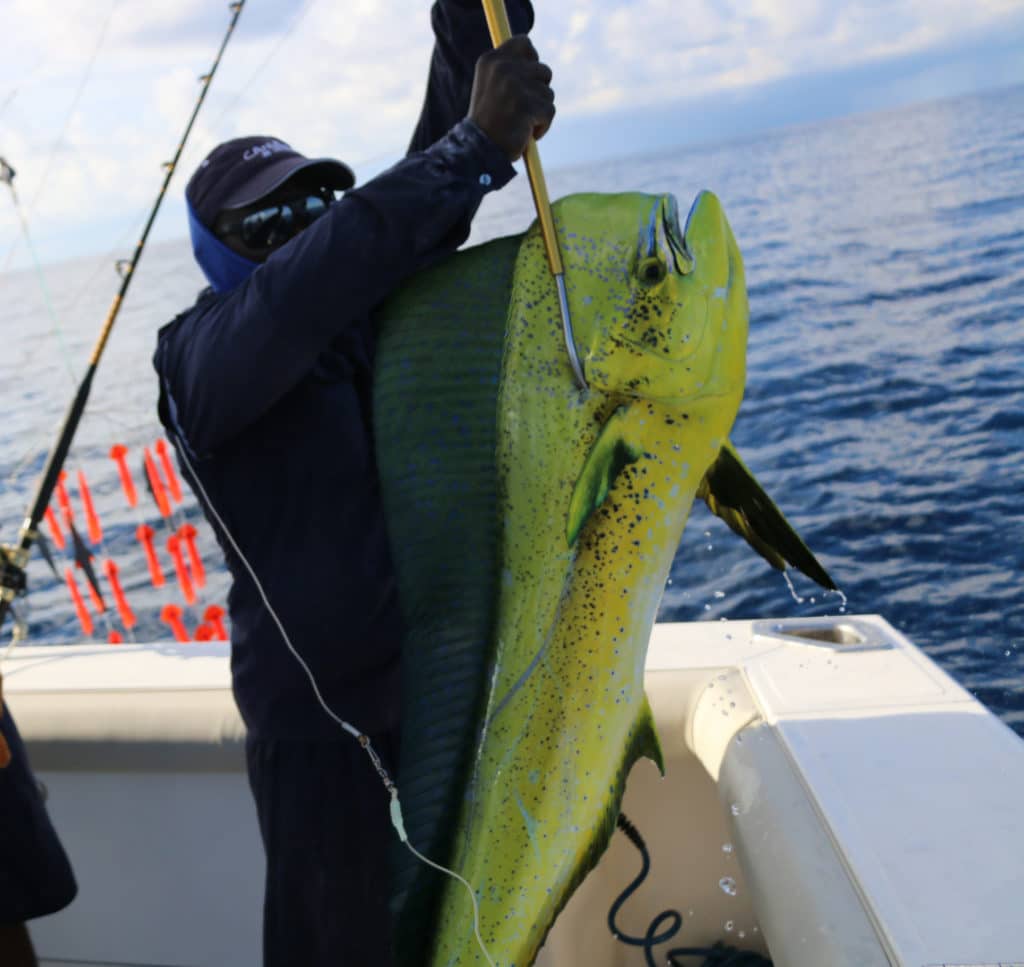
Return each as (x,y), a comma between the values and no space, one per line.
(729,926)
(726,847)
(727,885)
(719,594)
(707,533)
(709,547)
(792,590)
(734,809)
(707,607)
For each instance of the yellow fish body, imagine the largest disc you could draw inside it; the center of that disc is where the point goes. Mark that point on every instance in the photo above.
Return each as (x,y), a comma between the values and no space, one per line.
(591,492)
(594,491)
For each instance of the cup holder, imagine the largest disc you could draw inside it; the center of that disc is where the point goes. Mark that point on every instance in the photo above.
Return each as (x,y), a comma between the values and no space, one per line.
(836,634)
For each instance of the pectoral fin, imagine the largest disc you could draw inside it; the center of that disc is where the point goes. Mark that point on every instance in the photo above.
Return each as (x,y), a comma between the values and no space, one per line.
(733,494)
(609,454)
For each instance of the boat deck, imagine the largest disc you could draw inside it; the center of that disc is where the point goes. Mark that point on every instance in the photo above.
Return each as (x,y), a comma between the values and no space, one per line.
(831,797)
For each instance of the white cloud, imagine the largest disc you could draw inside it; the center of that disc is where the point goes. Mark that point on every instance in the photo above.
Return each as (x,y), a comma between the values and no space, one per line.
(347,78)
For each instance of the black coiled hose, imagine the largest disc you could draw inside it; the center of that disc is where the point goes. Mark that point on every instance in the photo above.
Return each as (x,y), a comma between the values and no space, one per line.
(668,923)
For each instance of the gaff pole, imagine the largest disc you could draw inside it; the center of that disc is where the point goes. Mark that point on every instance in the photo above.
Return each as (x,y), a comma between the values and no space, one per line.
(501,30)
(14,559)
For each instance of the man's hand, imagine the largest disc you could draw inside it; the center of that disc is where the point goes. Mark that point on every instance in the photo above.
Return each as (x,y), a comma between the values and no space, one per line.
(512,99)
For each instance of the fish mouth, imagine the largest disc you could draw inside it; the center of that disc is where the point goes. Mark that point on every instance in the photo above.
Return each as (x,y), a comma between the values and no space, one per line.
(697,199)
(684,261)
(669,237)
(664,237)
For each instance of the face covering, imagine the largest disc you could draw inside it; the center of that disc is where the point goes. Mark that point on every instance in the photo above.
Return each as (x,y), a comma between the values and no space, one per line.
(224,270)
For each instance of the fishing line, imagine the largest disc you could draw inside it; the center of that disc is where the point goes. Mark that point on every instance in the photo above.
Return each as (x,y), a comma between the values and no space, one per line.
(246,88)
(56,329)
(7,101)
(358,735)
(718,955)
(19,553)
(102,262)
(7,175)
(63,131)
(87,74)
(23,79)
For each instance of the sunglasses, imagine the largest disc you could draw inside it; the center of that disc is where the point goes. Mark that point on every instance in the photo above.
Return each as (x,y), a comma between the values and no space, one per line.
(274,225)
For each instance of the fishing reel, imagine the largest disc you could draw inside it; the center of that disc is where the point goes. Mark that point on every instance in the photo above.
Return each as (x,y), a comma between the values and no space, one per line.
(13,584)
(13,580)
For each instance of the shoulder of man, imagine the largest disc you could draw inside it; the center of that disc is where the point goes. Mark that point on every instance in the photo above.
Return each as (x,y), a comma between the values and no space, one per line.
(204,299)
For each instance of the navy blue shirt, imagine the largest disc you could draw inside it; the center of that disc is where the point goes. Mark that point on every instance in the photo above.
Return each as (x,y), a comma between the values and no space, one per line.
(267,390)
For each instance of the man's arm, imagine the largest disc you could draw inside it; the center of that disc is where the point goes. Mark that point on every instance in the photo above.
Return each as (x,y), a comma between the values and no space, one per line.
(461,36)
(227,361)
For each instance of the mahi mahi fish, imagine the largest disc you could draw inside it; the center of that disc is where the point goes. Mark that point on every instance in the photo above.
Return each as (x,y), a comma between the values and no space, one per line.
(534,524)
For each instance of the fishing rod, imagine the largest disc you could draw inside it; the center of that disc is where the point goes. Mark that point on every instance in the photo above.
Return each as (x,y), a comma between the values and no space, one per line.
(14,558)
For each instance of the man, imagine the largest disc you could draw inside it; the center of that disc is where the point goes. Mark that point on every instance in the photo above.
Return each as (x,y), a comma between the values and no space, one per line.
(35,876)
(266,391)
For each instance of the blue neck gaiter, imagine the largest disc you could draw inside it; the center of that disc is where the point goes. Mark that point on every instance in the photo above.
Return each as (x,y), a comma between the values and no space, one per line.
(224,270)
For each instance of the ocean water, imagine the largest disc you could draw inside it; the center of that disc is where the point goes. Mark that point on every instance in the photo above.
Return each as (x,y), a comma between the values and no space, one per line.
(884,409)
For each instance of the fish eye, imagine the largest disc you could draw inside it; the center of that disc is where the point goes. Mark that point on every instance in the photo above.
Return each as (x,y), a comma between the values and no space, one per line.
(651,270)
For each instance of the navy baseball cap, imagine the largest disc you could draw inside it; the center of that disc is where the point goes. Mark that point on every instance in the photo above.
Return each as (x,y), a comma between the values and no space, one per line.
(239,172)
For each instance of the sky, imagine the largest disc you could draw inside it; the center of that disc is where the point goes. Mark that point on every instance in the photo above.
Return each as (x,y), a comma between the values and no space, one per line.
(94,95)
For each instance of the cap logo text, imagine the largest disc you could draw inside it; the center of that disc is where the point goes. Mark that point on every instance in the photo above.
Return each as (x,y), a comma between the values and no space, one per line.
(265,150)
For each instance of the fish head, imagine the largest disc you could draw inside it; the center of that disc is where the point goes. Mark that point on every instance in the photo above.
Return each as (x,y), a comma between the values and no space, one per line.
(659,310)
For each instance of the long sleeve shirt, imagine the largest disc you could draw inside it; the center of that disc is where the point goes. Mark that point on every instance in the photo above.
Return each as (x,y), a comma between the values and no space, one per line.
(266,391)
